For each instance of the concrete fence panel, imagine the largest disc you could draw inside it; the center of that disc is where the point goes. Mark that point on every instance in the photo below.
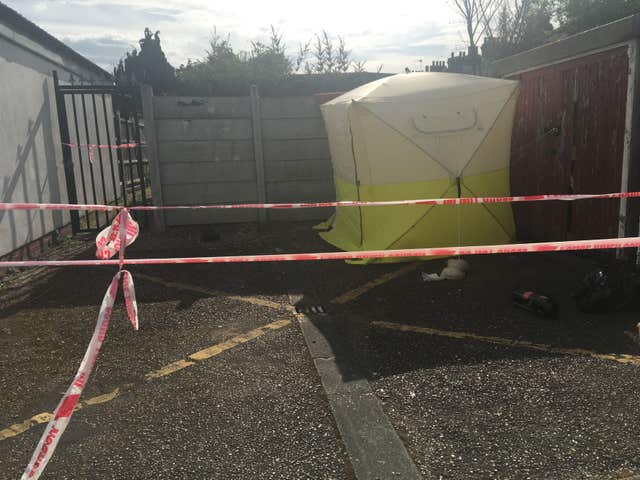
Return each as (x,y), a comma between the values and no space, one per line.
(212,150)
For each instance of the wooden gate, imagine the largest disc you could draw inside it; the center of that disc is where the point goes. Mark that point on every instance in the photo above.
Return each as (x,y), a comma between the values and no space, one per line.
(568,137)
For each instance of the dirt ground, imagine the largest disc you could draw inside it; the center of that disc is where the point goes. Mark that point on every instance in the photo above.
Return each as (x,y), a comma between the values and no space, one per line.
(478,405)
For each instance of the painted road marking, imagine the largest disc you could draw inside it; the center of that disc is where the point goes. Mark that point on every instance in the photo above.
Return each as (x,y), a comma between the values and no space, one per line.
(169,369)
(19,428)
(215,293)
(176,366)
(370,285)
(173,367)
(107,397)
(340,299)
(237,340)
(44,417)
(507,342)
(217,349)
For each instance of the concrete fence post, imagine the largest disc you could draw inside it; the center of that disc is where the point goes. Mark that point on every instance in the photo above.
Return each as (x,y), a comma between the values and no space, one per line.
(256,122)
(152,152)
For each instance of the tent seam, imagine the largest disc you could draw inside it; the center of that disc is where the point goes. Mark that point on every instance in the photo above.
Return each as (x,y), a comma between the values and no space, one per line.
(493,215)
(431,207)
(431,156)
(516,90)
(355,168)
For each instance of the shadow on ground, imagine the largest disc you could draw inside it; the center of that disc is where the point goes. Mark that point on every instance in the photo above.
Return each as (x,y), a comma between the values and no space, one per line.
(464,408)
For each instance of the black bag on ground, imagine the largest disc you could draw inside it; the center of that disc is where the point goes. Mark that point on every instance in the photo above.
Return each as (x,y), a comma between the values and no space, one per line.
(605,290)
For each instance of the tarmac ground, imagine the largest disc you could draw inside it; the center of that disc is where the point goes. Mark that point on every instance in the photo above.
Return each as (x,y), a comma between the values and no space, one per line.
(219,382)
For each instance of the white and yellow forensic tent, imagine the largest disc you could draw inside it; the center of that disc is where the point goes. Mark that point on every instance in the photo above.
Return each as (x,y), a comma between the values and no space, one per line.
(421,135)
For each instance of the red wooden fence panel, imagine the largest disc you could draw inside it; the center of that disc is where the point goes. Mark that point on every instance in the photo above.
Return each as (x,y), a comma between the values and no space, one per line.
(568,137)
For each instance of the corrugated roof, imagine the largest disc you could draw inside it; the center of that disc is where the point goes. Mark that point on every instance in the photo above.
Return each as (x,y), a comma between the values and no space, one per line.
(10,17)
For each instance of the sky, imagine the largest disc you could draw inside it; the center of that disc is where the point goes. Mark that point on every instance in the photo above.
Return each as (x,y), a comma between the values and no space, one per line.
(395,34)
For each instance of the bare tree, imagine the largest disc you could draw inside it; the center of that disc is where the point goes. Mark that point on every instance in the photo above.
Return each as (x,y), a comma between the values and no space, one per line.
(478,16)
(520,25)
(512,21)
(343,62)
(359,66)
(303,52)
(325,56)
(319,55)
(327,45)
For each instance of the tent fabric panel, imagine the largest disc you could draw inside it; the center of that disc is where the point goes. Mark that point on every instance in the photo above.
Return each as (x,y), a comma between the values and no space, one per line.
(381,226)
(441,229)
(336,120)
(495,150)
(467,233)
(343,229)
(448,130)
(357,93)
(369,228)
(384,155)
(422,225)
(493,184)
(420,136)
(423,85)
(453,225)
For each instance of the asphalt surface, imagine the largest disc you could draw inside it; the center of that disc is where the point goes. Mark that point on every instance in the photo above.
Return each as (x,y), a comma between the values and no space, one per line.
(255,411)
(464,409)
(471,409)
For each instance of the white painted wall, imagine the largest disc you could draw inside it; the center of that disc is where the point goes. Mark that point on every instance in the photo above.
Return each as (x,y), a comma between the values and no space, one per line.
(31,168)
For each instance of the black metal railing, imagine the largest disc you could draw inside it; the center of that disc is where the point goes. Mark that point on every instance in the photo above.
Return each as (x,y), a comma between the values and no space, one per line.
(103,115)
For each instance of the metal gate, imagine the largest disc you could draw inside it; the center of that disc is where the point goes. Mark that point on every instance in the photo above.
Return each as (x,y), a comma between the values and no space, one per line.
(97,122)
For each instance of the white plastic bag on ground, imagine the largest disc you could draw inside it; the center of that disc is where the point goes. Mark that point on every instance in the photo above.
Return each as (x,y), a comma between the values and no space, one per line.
(455,270)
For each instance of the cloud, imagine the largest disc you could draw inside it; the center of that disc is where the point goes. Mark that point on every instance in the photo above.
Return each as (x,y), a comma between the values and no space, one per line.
(105,51)
(104,30)
(88,15)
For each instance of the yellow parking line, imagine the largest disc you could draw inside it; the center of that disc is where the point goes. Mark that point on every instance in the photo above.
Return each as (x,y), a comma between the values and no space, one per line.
(507,342)
(362,289)
(173,367)
(169,369)
(238,340)
(340,299)
(217,349)
(214,350)
(19,428)
(107,397)
(215,293)
(44,417)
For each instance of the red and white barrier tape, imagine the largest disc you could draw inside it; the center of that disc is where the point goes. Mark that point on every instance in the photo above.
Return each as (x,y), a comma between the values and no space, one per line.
(92,146)
(124,230)
(62,414)
(125,227)
(108,240)
(599,244)
(58,206)
(349,203)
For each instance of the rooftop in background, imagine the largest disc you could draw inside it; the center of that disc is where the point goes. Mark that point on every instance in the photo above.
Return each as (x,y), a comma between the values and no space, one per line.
(11,18)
